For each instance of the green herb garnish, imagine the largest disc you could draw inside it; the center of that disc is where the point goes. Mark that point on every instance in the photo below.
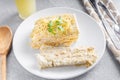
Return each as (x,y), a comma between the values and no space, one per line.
(59,21)
(60,28)
(50,24)
(50,29)
(55,25)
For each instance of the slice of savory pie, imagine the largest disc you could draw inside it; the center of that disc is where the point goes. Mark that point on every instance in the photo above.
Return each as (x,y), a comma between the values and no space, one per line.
(58,30)
(56,56)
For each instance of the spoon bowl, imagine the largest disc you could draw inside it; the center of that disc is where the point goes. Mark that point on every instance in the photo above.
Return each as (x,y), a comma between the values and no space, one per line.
(5,42)
(5,39)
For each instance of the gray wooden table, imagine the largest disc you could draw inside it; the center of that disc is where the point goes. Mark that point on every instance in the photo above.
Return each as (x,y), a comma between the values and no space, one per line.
(107,69)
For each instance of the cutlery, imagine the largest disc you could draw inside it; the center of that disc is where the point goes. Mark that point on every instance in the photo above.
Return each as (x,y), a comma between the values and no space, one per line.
(5,42)
(106,25)
(116,26)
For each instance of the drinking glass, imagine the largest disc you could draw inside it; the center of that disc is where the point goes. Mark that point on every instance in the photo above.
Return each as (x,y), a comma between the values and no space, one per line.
(25,7)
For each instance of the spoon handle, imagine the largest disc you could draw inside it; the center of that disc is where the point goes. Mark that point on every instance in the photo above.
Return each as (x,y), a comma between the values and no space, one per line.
(2,67)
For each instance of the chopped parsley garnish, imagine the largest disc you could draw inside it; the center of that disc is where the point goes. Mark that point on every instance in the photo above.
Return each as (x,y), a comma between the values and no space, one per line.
(59,21)
(60,28)
(55,25)
(50,24)
(50,29)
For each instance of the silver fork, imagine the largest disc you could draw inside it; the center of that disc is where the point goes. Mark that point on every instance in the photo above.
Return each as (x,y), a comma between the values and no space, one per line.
(106,26)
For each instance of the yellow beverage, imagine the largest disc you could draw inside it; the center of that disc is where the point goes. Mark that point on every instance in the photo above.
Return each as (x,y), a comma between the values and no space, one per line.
(25,7)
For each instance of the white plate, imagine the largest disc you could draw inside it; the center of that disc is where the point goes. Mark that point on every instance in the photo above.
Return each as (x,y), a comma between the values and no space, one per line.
(90,35)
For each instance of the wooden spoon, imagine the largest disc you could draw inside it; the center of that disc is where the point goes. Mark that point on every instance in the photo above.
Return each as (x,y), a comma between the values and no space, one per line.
(5,42)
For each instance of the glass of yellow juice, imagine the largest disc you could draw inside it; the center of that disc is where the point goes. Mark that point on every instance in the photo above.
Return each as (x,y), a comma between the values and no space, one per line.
(25,7)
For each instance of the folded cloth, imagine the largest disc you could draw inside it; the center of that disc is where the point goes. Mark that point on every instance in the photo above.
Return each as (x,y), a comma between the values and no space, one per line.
(111,6)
